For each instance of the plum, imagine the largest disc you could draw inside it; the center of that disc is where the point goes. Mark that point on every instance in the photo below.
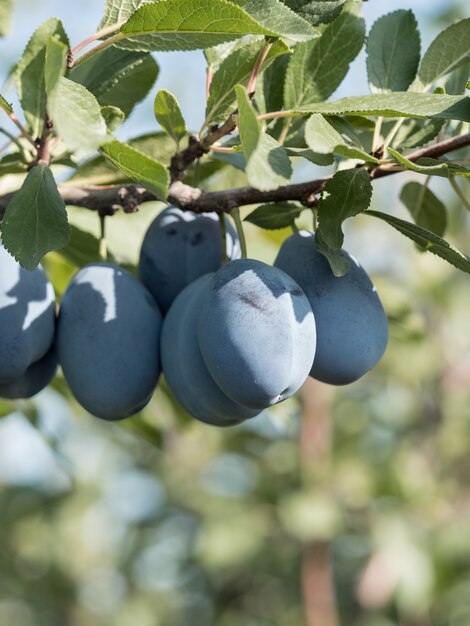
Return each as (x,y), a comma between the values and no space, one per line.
(256,333)
(35,378)
(108,341)
(27,317)
(184,368)
(352,327)
(180,246)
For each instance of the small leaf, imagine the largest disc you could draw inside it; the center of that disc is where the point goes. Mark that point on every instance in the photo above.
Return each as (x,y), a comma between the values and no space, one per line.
(117,77)
(113,116)
(268,165)
(393,52)
(337,260)
(169,116)
(429,167)
(318,67)
(56,62)
(274,216)
(397,104)
(448,51)
(309,155)
(6,7)
(6,106)
(77,117)
(276,16)
(317,11)
(118,11)
(349,193)
(138,166)
(428,240)
(35,220)
(425,208)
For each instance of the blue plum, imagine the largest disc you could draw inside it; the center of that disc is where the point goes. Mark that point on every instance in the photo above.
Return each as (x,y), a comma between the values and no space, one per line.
(256,333)
(27,317)
(183,365)
(108,341)
(352,327)
(35,379)
(179,247)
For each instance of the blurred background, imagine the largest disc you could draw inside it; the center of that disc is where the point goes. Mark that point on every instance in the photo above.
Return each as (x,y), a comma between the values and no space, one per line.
(342,507)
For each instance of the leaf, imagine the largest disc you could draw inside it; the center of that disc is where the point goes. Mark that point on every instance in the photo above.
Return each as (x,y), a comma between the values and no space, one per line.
(35,220)
(423,134)
(269,94)
(117,77)
(429,167)
(318,67)
(317,11)
(428,240)
(314,157)
(278,17)
(138,166)
(55,64)
(323,138)
(425,208)
(113,116)
(393,52)
(349,193)
(337,260)
(6,7)
(457,81)
(447,52)
(77,117)
(188,25)
(274,216)
(12,164)
(397,104)
(118,11)
(6,106)
(236,69)
(268,165)
(30,78)
(169,116)
(217,54)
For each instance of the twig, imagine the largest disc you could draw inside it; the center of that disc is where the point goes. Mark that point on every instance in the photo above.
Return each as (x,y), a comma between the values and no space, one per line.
(102,46)
(98,35)
(258,66)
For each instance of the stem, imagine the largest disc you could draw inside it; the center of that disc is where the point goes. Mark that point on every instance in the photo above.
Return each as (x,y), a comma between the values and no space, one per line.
(377,131)
(391,135)
(14,140)
(258,67)
(272,115)
(284,132)
(294,227)
(21,128)
(240,232)
(209,77)
(223,236)
(103,249)
(98,35)
(223,150)
(459,192)
(102,46)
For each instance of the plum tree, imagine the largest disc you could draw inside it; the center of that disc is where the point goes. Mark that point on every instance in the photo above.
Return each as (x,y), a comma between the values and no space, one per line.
(183,366)
(27,317)
(108,341)
(351,323)
(179,247)
(256,333)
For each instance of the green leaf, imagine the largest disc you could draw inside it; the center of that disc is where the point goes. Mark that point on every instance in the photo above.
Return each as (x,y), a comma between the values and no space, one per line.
(118,11)
(138,166)
(188,25)
(449,50)
(275,216)
(269,94)
(30,78)
(423,133)
(317,11)
(349,193)
(6,106)
(113,116)
(425,208)
(169,116)
(428,240)
(6,7)
(318,67)
(277,17)
(393,52)
(217,54)
(397,104)
(268,165)
(12,164)
(117,77)
(457,81)
(430,167)
(323,138)
(56,63)
(338,261)
(235,70)
(309,155)
(77,117)
(35,220)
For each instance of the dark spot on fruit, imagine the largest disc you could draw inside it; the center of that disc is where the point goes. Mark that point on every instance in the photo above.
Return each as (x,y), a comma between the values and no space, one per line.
(196,239)
(171,231)
(252,300)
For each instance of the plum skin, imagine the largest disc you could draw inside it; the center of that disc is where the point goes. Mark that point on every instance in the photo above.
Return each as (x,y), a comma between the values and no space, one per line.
(178,248)
(352,326)
(108,341)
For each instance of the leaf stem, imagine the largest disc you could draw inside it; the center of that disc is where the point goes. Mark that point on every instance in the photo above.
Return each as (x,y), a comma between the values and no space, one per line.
(103,249)
(223,236)
(459,192)
(21,128)
(98,35)
(251,86)
(240,232)
(275,114)
(376,136)
(17,143)
(102,46)
(391,135)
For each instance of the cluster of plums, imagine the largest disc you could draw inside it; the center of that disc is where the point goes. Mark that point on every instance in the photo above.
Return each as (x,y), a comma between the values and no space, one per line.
(231,339)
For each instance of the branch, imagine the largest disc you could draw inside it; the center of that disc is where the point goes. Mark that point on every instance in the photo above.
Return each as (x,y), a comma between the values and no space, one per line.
(128,198)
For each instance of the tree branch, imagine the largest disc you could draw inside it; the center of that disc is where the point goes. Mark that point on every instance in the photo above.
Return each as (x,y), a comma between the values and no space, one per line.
(128,198)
